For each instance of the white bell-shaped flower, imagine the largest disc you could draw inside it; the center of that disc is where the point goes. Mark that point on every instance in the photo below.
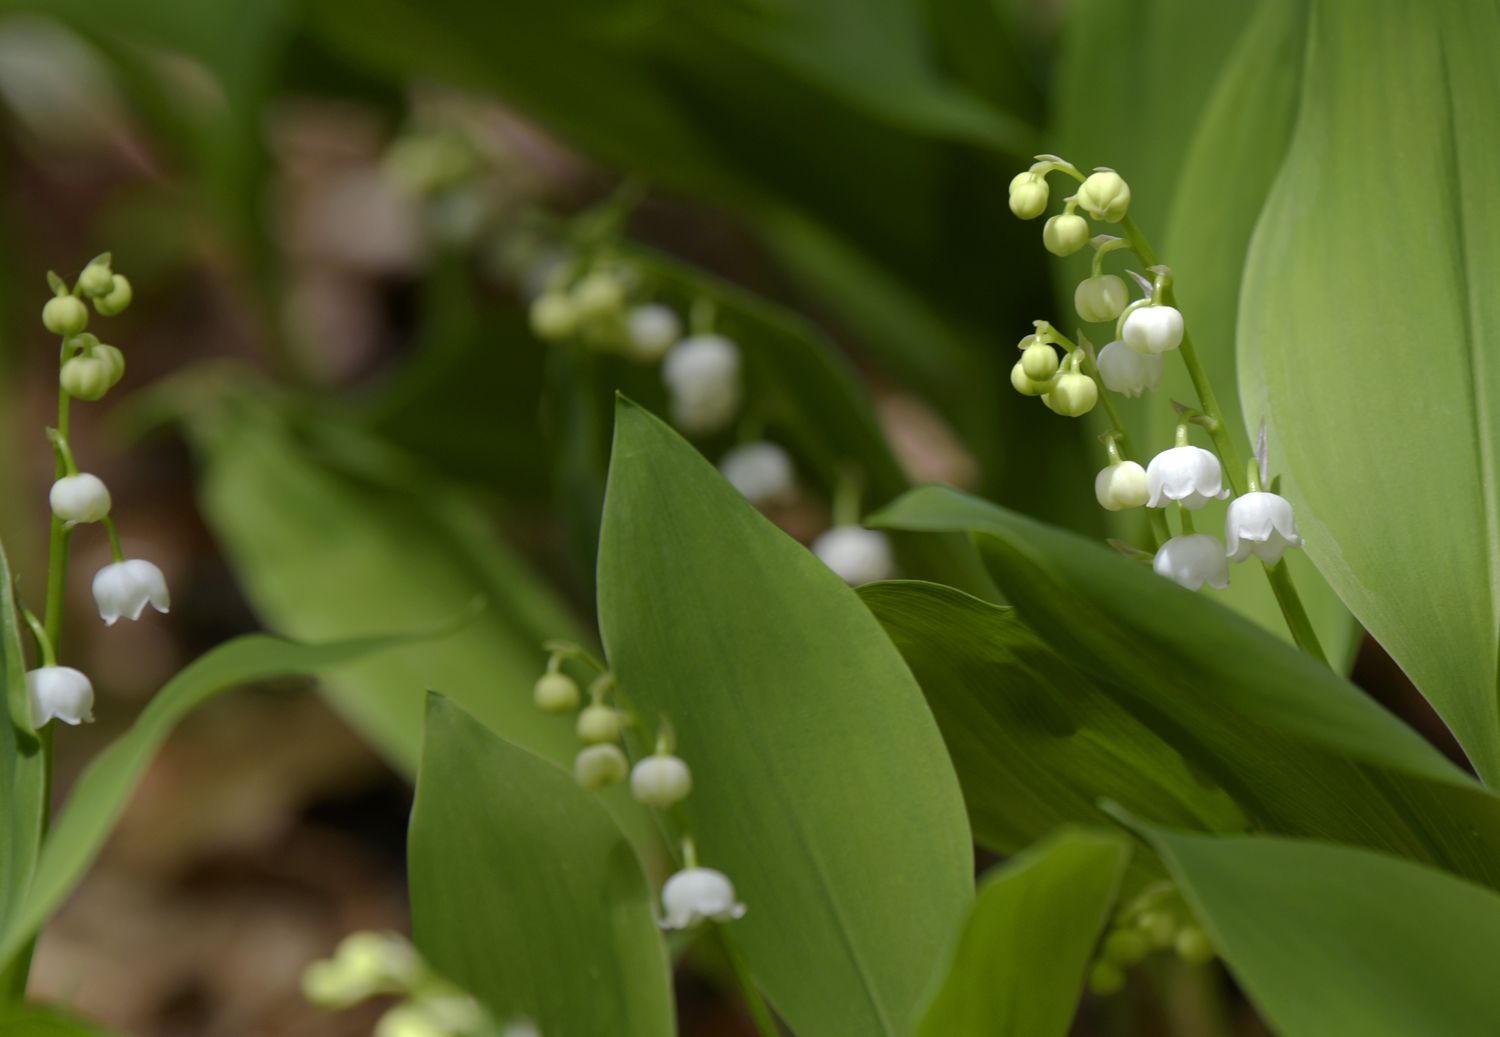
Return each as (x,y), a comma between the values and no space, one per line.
(1260,524)
(1189,475)
(661,780)
(1126,371)
(59,693)
(762,471)
(857,554)
(1153,329)
(697,895)
(651,330)
(124,589)
(79,498)
(1192,560)
(702,373)
(1121,486)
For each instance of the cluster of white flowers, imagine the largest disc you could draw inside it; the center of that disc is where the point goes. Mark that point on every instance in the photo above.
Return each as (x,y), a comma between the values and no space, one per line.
(124,588)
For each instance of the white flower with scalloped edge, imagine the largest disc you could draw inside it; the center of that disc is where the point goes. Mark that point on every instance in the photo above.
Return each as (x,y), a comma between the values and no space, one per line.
(124,589)
(697,895)
(857,554)
(59,693)
(1260,524)
(1127,372)
(1189,475)
(1192,560)
(1153,329)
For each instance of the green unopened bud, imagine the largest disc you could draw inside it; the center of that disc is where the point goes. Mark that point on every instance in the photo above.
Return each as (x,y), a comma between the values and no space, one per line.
(556,693)
(116,300)
(599,294)
(1106,979)
(1125,947)
(1065,234)
(1072,395)
(599,723)
(1039,361)
(1023,384)
(65,315)
(1160,928)
(598,766)
(552,316)
(365,964)
(1105,195)
(1192,945)
(1100,299)
(113,359)
(97,278)
(86,377)
(410,1020)
(1028,195)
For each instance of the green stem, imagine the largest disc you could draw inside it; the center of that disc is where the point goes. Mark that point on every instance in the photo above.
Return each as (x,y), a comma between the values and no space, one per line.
(114,538)
(760,1012)
(1218,430)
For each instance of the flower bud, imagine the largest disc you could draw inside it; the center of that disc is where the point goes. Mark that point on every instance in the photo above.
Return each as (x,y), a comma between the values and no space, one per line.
(1039,361)
(661,781)
(598,294)
(1073,394)
(1105,195)
(96,279)
(555,693)
(1106,978)
(857,554)
(86,377)
(410,1020)
(1121,486)
(365,964)
(124,589)
(762,471)
(79,498)
(1100,299)
(552,316)
(1125,947)
(1028,195)
(696,895)
(1126,371)
(599,723)
(65,315)
(1153,329)
(651,330)
(1160,928)
(1023,384)
(59,693)
(599,766)
(1193,946)
(1191,561)
(116,300)
(114,361)
(702,373)
(1065,234)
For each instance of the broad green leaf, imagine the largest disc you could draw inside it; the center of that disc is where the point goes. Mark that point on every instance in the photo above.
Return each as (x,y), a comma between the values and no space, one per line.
(820,782)
(101,791)
(1019,967)
(526,893)
(1367,334)
(36,1021)
(23,781)
(1331,941)
(1301,751)
(1036,742)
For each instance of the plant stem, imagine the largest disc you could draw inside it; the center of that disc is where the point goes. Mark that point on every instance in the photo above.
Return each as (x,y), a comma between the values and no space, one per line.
(760,1012)
(1218,429)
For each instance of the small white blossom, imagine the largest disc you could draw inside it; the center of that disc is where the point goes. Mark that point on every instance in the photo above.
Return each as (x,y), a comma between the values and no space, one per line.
(1260,524)
(1100,299)
(702,373)
(79,498)
(599,766)
(762,471)
(1193,560)
(1153,329)
(59,693)
(124,589)
(651,330)
(1121,486)
(1126,371)
(1189,475)
(857,554)
(661,781)
(697,895)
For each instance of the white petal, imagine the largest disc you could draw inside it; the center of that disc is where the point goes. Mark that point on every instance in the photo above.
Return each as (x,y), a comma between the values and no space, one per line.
(762,471)
(59,693)
(857,554)
(695,895)
(1192,560)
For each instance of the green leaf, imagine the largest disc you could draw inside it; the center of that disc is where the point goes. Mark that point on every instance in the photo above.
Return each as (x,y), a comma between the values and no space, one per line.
(36,1021)
(526,893)
(1020,963)
(101,791)
(1331,941)
(820,782)
(23,779)
(1395,259)
(1301,751)
(1036,741)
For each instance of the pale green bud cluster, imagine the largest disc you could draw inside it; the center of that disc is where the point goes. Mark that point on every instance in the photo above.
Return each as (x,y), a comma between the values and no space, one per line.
(1062,385)
(1156,920)
(1103,194)
(89,368)
(92,369)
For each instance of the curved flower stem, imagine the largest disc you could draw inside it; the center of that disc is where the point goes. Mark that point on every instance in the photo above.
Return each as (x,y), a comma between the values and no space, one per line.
(1218,429)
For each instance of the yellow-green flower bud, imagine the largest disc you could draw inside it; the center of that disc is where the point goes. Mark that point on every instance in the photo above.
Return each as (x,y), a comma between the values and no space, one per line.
(65,315)
(1105,195)
(1125,947)
(553,316)
(116,300)
(1065,234)
(1023,383)
(1192,945)
(1106,978)
(1073,394)
(1100,299)
(598,766)
(599,294)
(86,377)
(555,693)
(1039,361)
(1028,195)
(1160,928)
(96,279)
(599,723)
(113,359)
